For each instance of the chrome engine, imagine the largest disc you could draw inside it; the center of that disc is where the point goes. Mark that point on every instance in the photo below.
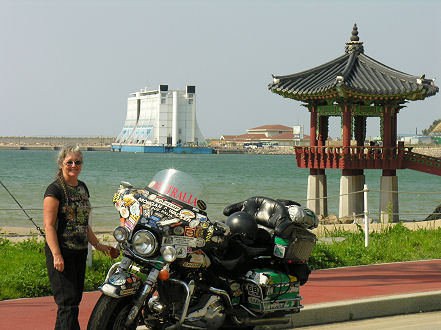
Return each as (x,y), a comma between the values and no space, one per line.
(209,313)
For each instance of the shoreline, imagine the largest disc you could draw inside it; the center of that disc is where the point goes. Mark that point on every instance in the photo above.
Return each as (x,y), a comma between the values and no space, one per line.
(17,234)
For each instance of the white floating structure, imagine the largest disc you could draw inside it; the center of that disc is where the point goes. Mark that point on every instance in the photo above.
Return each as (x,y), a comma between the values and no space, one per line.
(161,117)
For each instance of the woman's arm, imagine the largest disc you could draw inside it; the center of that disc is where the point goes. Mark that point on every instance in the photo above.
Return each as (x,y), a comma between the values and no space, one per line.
(50,211)
(93,240)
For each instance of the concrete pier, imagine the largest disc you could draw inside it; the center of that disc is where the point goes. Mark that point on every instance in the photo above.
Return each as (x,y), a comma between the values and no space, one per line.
(389,199)
(351,202)
(317,194)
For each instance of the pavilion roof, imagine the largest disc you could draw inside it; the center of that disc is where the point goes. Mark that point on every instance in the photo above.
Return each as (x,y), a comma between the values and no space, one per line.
(353,75)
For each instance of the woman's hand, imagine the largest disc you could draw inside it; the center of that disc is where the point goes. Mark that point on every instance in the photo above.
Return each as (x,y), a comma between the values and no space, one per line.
(103,248)
(58,262)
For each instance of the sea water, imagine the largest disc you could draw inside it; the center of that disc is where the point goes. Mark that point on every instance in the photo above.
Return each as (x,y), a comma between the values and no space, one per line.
(228,178)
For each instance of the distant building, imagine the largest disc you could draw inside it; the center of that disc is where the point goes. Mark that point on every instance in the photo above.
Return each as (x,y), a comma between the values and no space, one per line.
(272,135)
(161,117)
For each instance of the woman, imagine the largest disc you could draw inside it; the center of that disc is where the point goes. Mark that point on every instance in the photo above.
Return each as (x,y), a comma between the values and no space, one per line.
(66,221)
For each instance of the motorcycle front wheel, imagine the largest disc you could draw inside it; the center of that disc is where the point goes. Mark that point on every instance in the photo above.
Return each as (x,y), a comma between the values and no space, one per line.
(110,314)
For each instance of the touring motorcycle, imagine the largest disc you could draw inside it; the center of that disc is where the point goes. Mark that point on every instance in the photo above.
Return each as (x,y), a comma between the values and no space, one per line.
(181,270)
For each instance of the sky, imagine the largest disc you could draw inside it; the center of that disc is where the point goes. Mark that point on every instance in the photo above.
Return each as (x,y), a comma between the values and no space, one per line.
(67,67)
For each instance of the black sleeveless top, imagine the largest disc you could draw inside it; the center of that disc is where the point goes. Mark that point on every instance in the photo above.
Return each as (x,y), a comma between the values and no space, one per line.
(73,215)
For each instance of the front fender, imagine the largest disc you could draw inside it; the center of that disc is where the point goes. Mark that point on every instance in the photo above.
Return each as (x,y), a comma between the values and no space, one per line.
(120,284)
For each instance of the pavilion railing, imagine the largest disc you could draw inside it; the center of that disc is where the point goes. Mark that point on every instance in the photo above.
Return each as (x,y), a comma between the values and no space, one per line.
(353,157)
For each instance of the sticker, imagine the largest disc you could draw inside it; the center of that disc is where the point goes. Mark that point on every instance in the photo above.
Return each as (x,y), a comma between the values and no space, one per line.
(197,258)
(168,222)
(176,224)
(201,204)
(200,242)
(134,209)
(129,225)
(154,218)
(127,291)
(199,232)
(191,265)
(235,286)
(193,223)
(118,279)
(133,220)
(178,231)
(204,224)
(129,199)
(181,251)
(151,197)
(189,232)
(119,204)
(279,250)
(210,232)
(182,240)
(124,212)
(186,214)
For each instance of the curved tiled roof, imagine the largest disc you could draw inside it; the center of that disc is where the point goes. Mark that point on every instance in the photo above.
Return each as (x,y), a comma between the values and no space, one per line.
(271,127)
(353,74)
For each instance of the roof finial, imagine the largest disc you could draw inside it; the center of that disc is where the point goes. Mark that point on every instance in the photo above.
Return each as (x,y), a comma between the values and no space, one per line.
(354,45)
(354,36)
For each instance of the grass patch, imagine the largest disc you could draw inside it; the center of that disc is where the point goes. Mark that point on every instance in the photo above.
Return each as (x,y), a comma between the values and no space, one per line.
(389,244)
(23,271)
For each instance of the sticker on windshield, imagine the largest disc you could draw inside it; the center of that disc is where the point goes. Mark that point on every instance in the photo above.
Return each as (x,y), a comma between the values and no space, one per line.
(134,209)
(186,214)
(124,212)
(168,222)
(193,223)
(201,205)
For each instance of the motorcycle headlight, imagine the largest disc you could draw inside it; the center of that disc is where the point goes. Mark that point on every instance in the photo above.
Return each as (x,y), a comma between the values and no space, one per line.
(168,253)
(144,243)
(121,234)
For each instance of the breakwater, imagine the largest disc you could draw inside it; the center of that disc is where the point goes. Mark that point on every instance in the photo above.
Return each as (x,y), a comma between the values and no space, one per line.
(54,143)
(104,144)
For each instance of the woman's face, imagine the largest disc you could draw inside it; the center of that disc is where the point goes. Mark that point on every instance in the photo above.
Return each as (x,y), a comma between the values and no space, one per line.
(71,166)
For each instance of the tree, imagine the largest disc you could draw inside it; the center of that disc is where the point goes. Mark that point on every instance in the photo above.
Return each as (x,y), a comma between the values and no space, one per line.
(431,127)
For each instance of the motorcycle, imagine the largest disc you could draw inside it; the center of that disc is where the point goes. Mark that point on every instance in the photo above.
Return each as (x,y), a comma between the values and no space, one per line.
(181,270)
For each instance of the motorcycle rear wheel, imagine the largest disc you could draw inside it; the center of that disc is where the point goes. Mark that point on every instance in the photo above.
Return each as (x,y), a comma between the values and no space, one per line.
(110,314)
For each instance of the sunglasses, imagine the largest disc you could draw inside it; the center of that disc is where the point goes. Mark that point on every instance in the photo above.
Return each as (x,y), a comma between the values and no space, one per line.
(70,162)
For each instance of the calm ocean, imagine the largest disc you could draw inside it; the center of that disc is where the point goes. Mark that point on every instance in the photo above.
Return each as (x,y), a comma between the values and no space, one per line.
(228,178)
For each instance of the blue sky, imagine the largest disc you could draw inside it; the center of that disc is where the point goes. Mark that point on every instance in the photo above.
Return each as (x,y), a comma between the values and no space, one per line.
(67,67)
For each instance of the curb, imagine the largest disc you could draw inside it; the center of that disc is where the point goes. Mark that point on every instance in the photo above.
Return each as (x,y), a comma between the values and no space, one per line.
(350,310)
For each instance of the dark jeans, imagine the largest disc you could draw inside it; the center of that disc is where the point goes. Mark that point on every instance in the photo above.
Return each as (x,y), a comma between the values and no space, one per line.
(67,286)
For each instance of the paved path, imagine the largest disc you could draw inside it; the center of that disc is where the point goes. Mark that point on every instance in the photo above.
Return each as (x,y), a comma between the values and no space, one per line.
(326,291)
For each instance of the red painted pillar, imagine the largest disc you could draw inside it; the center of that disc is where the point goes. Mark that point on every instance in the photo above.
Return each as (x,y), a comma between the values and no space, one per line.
(394,128)
(387,139)
(387,128)
(313,129)
(346,128)
(313,136)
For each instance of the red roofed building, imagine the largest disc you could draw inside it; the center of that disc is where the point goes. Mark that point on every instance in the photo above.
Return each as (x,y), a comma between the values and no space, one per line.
(274,135)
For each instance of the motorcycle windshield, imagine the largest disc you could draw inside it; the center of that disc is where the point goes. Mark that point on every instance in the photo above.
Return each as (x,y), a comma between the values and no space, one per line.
(179,186)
